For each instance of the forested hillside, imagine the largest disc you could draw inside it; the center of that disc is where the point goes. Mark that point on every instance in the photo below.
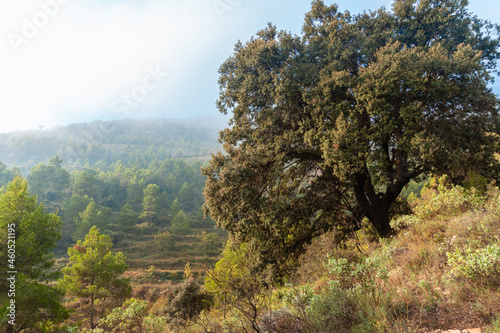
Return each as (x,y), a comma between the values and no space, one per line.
(134,185)
(131,141)
(138,181)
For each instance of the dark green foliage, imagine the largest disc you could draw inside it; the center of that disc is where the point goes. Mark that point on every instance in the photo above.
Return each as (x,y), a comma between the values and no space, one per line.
(49,182)
(330,126)
(36,233)
(71,213)
(38,304)
(135,192)
(151,205)
(85,184)
(127,216)
(93,276)
(6,175)
(90,217)
(36,230)
(186,301)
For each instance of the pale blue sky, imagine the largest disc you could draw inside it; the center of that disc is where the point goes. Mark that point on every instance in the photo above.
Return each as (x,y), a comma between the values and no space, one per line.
(64,61)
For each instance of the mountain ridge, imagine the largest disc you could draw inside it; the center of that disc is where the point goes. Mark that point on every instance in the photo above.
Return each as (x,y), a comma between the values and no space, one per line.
(110,141)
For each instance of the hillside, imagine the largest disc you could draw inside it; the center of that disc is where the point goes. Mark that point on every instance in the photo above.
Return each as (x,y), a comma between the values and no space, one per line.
(139,181)
(440,272)
(109,141)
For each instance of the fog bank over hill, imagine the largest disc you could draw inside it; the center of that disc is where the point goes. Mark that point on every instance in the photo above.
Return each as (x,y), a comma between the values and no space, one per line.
(106,142)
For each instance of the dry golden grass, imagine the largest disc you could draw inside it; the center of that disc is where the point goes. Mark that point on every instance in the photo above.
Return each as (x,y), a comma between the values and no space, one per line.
(420,295)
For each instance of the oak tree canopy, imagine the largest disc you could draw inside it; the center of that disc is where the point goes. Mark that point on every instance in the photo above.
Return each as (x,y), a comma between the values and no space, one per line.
(329,126)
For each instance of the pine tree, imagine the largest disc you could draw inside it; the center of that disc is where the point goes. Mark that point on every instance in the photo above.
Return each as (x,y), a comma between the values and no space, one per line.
(30,234)
(93,276)
(151,204)
(181,225)
(90,217)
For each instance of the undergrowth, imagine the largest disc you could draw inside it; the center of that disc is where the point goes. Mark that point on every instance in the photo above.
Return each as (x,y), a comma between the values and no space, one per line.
(441,271)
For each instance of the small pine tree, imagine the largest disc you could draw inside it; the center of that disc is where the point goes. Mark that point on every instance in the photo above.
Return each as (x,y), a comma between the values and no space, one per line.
(181,224)
(91,216)
(175,207)
(93,276)
(151,203)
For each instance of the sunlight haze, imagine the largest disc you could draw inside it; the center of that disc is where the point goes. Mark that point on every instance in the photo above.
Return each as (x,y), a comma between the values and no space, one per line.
(75,61)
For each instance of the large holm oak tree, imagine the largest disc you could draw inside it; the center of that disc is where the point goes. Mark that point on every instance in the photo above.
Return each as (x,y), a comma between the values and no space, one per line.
(328,127)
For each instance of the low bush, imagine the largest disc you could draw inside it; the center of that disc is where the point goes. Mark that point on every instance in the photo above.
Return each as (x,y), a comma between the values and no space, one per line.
(449,202)
(187,301)
(131,317)
(481,264)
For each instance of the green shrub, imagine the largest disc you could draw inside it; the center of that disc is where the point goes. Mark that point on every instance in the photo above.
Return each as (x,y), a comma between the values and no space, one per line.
(298,299)
(404,221)
(186,302)
(356,296)
(451,201)
(446,202)
(165,241)
(297,296)
(131,317)
(181,225)
(331,312)
(494,205)
(365,279)
(479,264)
(477,181)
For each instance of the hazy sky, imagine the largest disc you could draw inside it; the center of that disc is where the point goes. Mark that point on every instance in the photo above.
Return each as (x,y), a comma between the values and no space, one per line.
(64,61)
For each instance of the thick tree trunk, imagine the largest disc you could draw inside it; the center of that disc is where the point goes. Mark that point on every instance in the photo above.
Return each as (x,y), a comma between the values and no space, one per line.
(380,219)
(374,206)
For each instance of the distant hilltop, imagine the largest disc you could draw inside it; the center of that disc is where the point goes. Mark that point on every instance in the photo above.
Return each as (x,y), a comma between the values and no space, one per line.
(107,142)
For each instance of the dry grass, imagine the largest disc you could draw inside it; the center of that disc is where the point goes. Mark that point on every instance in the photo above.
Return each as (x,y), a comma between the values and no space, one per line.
(420,295)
